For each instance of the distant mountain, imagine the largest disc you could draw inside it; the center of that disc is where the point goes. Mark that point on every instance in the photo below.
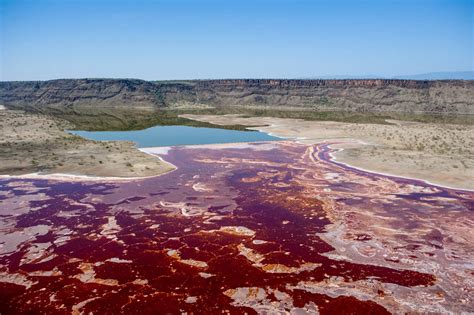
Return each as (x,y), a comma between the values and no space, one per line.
(460,75)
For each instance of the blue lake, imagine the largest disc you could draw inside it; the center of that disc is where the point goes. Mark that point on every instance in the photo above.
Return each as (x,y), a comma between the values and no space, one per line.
(163,136)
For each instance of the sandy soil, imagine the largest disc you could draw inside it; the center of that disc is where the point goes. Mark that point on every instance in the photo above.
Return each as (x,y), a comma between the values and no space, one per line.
(32,143)
(439,153)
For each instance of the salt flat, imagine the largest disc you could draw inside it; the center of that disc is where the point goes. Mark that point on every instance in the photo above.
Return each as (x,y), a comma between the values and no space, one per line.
(439,153)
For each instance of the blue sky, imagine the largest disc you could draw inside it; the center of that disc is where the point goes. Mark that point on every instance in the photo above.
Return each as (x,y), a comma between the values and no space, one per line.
(193,39)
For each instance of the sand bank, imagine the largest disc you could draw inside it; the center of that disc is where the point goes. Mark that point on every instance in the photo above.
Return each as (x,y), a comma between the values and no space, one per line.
(440,154)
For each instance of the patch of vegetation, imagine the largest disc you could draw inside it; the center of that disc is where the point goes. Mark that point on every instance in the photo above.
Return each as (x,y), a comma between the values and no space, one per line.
(119,119)
(160,99)
(339,116)
(352,117)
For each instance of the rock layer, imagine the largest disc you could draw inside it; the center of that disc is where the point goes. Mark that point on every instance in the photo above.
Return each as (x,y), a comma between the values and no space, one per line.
(82,92)
(450,96)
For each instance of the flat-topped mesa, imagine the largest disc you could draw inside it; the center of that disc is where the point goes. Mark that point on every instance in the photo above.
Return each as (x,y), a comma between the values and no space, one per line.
(81,92)
(321,83)
(372,95)
(342,83)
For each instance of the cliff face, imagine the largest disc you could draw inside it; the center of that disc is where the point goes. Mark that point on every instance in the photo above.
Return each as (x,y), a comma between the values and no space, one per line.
(83,92)
(367,95)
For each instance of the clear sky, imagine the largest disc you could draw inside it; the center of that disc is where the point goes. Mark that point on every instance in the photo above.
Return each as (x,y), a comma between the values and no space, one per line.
(198,39)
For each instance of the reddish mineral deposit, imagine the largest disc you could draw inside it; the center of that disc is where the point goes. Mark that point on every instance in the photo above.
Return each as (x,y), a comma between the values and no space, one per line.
(245,228)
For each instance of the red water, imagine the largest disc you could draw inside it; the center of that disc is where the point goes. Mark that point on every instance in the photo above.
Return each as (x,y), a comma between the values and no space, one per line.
(263,190)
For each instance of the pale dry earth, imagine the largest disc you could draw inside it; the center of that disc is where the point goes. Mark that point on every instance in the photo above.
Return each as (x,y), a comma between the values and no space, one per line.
(442,154)
(31,143)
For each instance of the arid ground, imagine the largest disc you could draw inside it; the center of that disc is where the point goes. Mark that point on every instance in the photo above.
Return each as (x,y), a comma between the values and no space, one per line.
(33,143)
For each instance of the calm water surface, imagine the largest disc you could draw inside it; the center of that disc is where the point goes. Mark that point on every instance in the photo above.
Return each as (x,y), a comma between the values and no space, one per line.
(162,136)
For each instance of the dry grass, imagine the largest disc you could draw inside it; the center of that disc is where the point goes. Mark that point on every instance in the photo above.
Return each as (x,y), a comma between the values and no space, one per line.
(35,143)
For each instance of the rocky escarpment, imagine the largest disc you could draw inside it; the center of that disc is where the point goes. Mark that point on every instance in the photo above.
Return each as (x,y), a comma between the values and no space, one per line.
(81,92)
(359,95)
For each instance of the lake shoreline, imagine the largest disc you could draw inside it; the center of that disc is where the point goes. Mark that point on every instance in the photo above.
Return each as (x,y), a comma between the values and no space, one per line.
(34,143)
(401,148)
(157,152)
(165,136)
(37,145)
